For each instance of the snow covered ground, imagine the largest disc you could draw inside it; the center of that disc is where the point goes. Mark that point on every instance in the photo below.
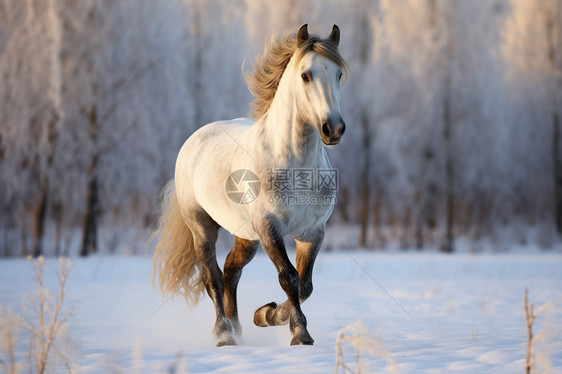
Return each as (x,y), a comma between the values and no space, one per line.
(442,314)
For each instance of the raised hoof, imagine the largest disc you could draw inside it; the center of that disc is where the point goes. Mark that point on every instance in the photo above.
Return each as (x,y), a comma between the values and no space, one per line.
(261,314)
(302,338)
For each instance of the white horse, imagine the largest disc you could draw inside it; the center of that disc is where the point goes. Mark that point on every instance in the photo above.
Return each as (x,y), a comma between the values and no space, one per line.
(260,181)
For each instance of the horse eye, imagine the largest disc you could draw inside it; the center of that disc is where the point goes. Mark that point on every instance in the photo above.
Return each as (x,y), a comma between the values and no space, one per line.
(339,76)
(306,77)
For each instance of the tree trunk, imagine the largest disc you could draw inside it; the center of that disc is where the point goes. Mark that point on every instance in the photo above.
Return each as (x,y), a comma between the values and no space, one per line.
(448,59)
(449,195)
(424,198)
(59,216)
(89,222)
(364,190)
(366,45)
(41,212)
(557,171)
(39,224)
(427,197)
(24,234)
(378,198)
(555,117)
(197,77)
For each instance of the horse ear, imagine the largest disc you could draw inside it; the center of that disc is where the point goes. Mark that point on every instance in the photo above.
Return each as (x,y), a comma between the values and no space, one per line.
(302,35)
(335,35)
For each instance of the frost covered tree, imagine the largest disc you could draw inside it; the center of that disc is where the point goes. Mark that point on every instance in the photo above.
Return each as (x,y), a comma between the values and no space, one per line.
(122,117)
(81,82)
(552,12)
(364,45)
(30,98)
(531,51)
(453,113)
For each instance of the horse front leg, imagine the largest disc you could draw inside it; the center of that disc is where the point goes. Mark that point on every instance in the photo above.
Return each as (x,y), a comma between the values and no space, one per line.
(307,250)
(272,314)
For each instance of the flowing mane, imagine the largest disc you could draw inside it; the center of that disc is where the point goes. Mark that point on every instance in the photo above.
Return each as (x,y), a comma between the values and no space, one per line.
(269,67)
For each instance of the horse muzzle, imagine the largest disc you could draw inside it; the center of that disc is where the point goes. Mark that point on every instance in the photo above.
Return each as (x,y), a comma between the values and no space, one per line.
(332,131)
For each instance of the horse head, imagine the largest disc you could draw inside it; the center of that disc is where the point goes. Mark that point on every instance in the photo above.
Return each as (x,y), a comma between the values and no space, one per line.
(316,75)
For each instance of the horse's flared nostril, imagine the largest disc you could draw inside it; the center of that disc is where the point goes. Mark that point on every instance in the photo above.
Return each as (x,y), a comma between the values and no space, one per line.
(326,129)
(342,128)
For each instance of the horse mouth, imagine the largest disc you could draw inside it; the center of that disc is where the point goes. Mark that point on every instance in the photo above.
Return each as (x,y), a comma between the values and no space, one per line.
(330,141)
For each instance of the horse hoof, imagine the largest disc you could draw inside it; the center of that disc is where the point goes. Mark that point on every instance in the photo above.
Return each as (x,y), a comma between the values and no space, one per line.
(298,341)
(224,332)
(302,338)
(261,314)
(226,341)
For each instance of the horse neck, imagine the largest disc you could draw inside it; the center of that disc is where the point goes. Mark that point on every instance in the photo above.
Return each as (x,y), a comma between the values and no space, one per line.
(293,142)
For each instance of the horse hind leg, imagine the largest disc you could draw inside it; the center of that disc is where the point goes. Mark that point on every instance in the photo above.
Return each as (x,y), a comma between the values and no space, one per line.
(241,254)
(205,231)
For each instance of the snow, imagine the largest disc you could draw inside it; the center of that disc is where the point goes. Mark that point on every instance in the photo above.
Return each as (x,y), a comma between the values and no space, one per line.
(439,314)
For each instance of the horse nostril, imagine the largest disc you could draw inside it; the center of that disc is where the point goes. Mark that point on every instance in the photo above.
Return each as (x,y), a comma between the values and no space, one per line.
(326,129)
(342,129)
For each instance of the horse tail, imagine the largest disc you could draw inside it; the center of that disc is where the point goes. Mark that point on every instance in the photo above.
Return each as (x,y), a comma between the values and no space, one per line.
(174,258)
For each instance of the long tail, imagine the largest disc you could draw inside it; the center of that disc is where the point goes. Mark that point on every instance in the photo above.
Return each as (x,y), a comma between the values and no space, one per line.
(174,257)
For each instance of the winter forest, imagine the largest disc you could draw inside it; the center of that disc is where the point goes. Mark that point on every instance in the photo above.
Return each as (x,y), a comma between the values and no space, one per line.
(452,109)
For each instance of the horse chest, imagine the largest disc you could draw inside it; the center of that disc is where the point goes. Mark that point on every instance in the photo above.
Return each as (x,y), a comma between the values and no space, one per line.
(308,211)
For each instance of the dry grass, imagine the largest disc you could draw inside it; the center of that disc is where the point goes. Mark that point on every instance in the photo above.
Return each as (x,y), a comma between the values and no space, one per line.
(47,326)
(529,319)
(357,337)
(178,366)
(530,316)
(9,331)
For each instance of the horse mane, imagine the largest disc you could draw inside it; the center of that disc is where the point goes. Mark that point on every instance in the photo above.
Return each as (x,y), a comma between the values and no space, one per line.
(270,66)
